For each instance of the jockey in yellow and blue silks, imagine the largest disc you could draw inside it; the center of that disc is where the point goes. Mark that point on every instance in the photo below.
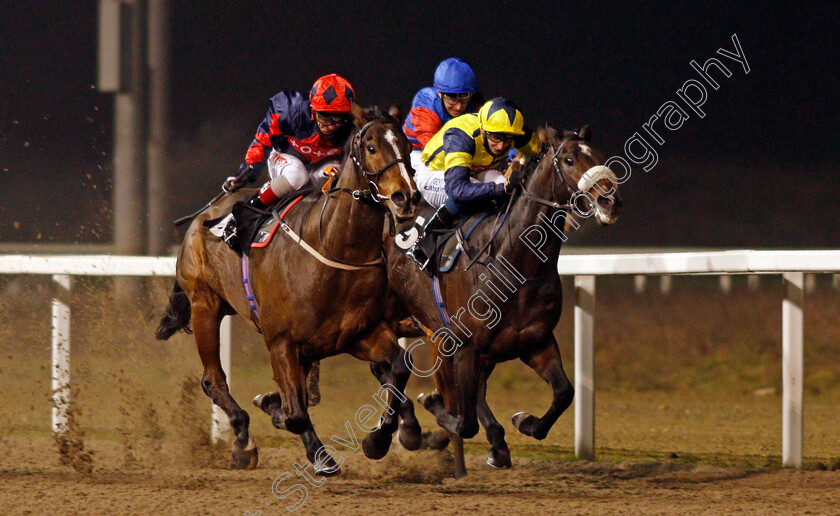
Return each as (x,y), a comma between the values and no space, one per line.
(453,94)
(465,156)
(473,146)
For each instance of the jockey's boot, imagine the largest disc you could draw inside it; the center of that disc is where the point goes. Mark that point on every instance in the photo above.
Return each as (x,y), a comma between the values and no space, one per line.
(255,202)
(442,218)
(270,193)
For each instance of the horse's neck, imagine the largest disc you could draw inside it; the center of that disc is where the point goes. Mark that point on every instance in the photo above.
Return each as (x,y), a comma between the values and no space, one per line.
(352,230)
(524,215)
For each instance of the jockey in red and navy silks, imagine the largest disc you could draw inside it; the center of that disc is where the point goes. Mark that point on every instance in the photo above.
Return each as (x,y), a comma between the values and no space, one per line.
(455,85)
(299,136)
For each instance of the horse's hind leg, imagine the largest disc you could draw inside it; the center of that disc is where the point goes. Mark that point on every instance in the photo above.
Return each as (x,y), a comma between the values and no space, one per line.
(499,455)
(206,318)
(548,364)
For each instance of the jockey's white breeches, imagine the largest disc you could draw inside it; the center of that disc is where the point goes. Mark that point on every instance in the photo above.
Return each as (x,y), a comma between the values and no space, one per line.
(431,182)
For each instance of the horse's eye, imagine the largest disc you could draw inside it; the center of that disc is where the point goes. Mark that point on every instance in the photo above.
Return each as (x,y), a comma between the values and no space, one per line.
(569,161)
(371,150)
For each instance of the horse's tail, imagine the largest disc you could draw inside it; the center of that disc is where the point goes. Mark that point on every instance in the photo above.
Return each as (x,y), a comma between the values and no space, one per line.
(177,315)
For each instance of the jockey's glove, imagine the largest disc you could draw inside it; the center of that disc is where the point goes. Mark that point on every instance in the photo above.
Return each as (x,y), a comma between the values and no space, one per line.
(247,174)
(514,181)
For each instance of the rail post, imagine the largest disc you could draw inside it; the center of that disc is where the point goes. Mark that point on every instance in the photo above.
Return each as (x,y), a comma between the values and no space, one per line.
(220,425)
(792,370)
(584,367)
(60,352)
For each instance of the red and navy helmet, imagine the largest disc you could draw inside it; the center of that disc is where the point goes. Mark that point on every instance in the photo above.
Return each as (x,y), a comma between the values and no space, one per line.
(331,94)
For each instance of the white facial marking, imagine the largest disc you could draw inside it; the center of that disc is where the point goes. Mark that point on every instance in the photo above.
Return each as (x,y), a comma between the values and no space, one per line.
(392,139)
(585,148)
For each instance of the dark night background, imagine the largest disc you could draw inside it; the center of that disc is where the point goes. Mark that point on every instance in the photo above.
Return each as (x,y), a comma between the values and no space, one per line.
(760,170)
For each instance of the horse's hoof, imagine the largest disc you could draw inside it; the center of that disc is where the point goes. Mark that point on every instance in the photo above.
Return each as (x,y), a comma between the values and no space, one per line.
(376,445)
(499,459)
(327,468)
(257,401)
(525,423)
(245,458)
(437,440)
(430,399)
(327,472)
(409,438)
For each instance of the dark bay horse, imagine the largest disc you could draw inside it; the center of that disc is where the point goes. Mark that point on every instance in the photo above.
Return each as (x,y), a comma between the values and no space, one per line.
(506,306)
(308,310)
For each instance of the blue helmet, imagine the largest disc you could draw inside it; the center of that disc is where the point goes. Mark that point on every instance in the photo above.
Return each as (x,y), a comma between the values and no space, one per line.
(455,76)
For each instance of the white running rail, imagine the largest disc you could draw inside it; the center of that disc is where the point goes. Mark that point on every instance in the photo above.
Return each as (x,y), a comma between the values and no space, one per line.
(61,268)
(790,264)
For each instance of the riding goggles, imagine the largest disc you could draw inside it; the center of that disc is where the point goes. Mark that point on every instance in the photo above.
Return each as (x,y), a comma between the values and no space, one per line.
(457,97)
(332,119)
(499,137)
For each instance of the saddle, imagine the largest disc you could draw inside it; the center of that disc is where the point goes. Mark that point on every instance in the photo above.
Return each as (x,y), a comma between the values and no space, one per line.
(245,227)
(442,246)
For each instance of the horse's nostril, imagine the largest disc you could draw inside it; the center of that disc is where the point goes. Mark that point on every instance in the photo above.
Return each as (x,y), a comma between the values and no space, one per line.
(606,201)
(415,199)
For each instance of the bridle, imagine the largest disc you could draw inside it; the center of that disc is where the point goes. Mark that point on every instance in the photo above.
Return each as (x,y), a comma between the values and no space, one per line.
(571,188)
(372,193)
(370,196)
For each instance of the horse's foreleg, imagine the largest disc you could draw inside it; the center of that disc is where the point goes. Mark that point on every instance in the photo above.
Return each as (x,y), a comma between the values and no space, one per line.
(548,364)
(409,431)
(381,348)
(206,319)
(499,455)
(287,407)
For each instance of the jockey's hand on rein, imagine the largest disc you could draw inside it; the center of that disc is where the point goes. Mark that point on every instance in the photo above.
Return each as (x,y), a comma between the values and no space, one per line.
(514,181)
(247,174)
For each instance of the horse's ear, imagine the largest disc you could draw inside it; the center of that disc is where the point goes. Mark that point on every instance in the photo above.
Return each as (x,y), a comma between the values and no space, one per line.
(541,134)
(395,112)
(585,133)
(360,117)
(550,134)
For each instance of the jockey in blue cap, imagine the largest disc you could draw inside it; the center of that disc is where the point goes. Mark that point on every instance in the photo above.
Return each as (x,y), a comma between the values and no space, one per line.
(453,94)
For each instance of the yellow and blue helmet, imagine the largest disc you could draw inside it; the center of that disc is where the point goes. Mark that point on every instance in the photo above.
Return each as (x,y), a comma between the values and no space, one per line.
(500,115)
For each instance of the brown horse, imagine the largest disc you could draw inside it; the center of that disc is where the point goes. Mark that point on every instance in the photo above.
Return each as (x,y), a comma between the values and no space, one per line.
(507,307)
(309,310)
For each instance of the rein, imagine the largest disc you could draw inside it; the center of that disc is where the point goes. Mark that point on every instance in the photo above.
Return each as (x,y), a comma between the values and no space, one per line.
(530,197)
(371,196)
(570,188)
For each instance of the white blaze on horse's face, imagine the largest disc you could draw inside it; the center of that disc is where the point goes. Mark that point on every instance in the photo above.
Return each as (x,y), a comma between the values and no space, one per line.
(392,139)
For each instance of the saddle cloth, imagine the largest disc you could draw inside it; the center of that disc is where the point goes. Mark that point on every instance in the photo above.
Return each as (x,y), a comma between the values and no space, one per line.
(244,227)
(442,246)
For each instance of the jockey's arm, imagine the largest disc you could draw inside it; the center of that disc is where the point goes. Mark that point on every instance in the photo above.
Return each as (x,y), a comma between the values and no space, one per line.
(426,124)
(460,148)
(268,136)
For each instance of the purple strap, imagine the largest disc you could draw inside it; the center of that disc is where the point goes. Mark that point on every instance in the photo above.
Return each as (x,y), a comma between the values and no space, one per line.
(249,292)
(440,303)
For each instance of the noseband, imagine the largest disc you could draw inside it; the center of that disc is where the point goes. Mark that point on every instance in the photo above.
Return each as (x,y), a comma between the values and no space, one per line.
(359,165)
